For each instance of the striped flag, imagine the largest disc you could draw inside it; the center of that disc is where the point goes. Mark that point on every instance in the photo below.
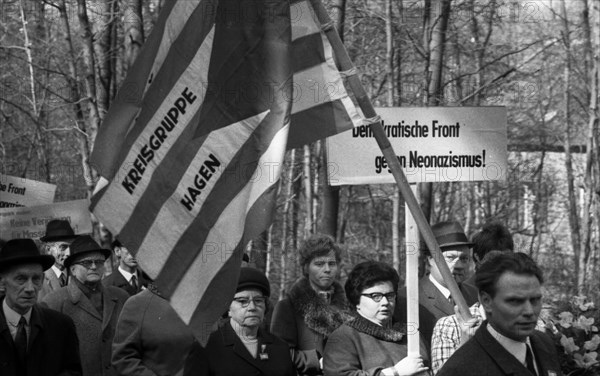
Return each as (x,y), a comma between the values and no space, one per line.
(192,149)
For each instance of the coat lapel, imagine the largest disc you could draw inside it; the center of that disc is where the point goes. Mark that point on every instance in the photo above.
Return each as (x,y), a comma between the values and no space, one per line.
(542,355)
(80,300)
(52,280)
(108,307)
(36,325)
(232,339)
(503,359)
(435,297)
(4,330)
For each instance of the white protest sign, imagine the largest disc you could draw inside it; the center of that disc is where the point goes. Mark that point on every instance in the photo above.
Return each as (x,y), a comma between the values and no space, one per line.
(16,192)
(31,222)
(433,144)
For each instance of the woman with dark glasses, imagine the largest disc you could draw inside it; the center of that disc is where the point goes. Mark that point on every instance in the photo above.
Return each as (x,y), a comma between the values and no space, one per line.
(370,343)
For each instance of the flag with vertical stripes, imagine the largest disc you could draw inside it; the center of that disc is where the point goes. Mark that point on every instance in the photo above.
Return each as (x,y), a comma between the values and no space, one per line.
(191,151)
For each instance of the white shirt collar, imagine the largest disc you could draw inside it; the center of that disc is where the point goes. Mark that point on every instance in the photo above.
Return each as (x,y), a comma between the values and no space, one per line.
(516,348)
(57,271)
(442,289)
(127,275)
(12,317)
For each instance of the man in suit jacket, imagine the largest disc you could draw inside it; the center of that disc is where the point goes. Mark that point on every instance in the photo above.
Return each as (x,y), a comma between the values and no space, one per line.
(93,308)
(127,276)
(57,239)
(435,301)
(34,341)
(507,343)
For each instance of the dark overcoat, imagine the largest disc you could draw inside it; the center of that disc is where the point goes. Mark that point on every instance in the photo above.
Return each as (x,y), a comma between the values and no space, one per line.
(227,355)
(95,331)
(484,355)
(53,346)
(304,321)
(151,339)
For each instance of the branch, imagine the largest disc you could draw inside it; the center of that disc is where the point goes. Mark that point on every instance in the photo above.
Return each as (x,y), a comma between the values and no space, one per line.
(13,48)
(527,147)
(486,85)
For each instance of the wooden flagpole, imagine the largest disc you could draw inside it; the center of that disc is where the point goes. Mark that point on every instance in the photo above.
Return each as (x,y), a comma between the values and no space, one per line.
(346,65)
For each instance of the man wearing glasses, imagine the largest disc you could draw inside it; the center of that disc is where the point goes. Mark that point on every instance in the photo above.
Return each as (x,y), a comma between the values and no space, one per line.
(93,308)
(435,301)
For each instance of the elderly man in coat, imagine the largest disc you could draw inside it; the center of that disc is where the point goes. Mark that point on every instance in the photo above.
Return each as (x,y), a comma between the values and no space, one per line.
(56,241)
(93,308)
(34,340)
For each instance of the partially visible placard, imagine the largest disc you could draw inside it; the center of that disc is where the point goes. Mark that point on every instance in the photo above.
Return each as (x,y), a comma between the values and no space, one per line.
(433,144)
(30,222)
(18,192)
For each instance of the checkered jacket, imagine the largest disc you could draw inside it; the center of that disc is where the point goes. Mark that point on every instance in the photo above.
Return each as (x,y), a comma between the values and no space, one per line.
(446,338)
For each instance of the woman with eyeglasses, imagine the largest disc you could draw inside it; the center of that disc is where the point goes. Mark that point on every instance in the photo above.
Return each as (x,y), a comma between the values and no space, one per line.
(240,346)
(370,343)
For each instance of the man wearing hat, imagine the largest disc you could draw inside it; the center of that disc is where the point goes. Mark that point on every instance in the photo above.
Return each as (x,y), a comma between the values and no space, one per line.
(434,296)
(93,308)
(33,340)
(59,235)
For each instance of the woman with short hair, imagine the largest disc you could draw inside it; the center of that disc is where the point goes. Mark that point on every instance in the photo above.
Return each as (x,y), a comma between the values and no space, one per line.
(240,346)
(314,306)
(370,343)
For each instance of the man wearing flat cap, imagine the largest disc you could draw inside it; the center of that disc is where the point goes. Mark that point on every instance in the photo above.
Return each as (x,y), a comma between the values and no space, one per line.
(57,239)
(434,296)
(93,308)
(33,340)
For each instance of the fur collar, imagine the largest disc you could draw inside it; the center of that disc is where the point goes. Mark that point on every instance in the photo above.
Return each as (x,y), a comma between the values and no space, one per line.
(319,316)
(394,334)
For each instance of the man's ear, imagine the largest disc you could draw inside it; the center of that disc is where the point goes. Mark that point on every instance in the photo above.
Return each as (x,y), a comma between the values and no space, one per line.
(486,301)
(430,261)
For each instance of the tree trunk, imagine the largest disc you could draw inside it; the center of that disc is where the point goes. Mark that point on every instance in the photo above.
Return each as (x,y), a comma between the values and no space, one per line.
(90,88)
(435,27)
(331,195)
(134,30)
(308,193)
(103,43)
(284,225)
(571,193)
(591,161)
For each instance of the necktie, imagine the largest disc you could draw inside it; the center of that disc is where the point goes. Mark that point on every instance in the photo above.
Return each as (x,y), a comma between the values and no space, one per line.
(451,301)
(134,282)
(529,361)
(21,340)
(63,280)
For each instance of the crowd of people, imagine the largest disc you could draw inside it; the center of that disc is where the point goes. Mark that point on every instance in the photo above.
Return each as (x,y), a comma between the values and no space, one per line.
(62,315)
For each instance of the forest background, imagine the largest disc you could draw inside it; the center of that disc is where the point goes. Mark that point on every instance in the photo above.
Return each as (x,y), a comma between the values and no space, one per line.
(62,62)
